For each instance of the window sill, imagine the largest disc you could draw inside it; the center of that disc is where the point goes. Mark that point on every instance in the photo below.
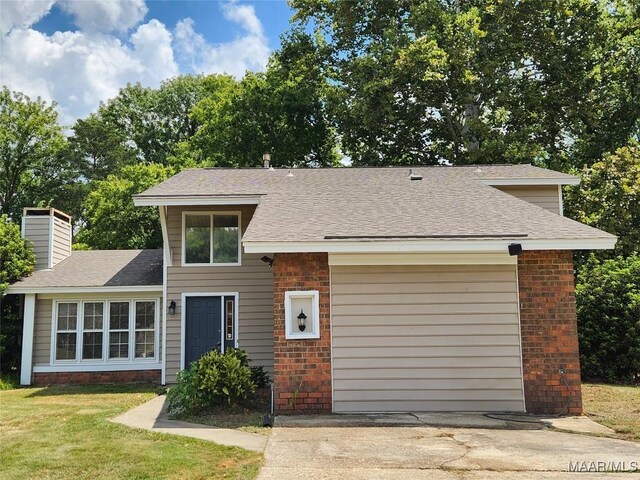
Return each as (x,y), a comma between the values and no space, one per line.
(98,367)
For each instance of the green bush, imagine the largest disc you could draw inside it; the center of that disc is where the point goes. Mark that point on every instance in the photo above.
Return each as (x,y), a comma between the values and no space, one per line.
(184,397)
(225,377)
(215,379)
(260,377)
(608,306)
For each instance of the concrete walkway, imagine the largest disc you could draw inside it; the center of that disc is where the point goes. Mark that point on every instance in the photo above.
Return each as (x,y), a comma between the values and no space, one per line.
(153,416)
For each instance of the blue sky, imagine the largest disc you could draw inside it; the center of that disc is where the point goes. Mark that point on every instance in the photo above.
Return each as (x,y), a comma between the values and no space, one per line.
(80,52)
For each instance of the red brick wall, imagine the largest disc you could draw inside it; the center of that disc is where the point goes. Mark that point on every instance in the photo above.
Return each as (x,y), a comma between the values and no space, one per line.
(549,332)
(302,368)
(85,378)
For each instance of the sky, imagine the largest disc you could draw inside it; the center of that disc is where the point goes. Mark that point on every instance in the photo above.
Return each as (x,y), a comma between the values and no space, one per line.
(80,52)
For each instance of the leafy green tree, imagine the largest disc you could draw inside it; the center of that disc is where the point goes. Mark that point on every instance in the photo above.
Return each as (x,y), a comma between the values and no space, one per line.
(155,121)
(280,111)
(608,299)
(479,81)
(98,148)
(609,198)
(112,220)
(31,169)
(16,261)
(16,254)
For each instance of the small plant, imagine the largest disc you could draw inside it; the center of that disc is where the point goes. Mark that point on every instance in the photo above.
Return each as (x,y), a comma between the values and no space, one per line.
(185,397)
(260,377)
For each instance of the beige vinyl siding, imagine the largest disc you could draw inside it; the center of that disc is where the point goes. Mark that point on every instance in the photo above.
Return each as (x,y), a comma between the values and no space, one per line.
(545,196)
(37,230)
(253,281)
(42,332)
(61,240)
(426,338)
(42,335)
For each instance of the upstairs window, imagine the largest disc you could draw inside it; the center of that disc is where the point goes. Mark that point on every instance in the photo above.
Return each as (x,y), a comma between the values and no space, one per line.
(212,239)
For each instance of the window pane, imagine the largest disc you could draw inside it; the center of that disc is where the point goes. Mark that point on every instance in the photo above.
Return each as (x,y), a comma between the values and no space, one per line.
(67,316)
(197,238)
(66,346)
(119,316)
(93,316)
(119,345)
(145,315)
(144,344)
(225,239)
(92,345)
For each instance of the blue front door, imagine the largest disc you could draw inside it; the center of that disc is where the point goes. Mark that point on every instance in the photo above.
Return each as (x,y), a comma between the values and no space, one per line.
(204,327)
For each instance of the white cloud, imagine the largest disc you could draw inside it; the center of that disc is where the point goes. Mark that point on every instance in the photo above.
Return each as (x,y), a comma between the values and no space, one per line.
(249,51)
(79,69)
(106,15)
(22,13)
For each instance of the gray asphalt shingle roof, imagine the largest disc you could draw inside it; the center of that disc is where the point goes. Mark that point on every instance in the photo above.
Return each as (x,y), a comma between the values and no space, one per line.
(372,203)
(101,268)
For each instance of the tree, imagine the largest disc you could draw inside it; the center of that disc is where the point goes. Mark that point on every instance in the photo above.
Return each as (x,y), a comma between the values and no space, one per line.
(155,121)
(480,81)
(609,198)
(30,141)
(16,254)
(280,111)
(112,220)
(98,148)
(16,261)
(608,299)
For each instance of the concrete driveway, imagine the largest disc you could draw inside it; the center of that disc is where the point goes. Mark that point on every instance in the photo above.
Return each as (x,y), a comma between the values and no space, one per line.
(404,450)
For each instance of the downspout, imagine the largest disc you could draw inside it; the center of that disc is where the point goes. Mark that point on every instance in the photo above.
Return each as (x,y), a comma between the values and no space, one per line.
(166,262)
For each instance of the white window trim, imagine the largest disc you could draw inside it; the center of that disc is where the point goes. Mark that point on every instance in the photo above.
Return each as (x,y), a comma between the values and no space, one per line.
(105,363)
(183,319)
(54,332)
(82,331)
(211,213)
(119,330)
(290,333)
(153,329)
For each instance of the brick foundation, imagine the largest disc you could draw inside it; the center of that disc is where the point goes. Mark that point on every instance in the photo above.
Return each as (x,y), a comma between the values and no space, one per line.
(549,332)
(302,368)
(87,378)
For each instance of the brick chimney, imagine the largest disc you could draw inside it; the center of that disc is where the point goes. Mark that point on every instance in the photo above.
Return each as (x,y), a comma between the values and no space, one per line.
(50,232)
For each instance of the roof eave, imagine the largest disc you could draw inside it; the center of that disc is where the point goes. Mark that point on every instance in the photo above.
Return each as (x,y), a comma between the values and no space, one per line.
(530,181)
(422,246)
(18,289)
(185,200)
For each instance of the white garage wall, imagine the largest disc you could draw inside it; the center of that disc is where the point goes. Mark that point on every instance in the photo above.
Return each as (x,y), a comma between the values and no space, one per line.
(426,338)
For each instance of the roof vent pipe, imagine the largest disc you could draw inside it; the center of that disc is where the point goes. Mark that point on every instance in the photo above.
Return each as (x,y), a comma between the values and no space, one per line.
(266,159)
(414,176)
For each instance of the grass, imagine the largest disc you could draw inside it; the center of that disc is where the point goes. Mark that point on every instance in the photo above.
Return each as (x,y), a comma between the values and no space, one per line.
(9,381)
(248,418)
(64,432)
(614,406)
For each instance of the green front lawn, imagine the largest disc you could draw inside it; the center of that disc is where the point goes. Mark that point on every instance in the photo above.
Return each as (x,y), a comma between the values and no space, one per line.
(615,406)
(64,432)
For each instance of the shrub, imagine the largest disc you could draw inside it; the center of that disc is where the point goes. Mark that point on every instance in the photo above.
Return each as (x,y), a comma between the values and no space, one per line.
(260,377)
(225,377)
(215,379)
(608,307)
(184,397)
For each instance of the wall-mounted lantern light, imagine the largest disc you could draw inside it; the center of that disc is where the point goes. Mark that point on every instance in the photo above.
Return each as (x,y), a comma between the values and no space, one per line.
(172,307)
(302,321)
